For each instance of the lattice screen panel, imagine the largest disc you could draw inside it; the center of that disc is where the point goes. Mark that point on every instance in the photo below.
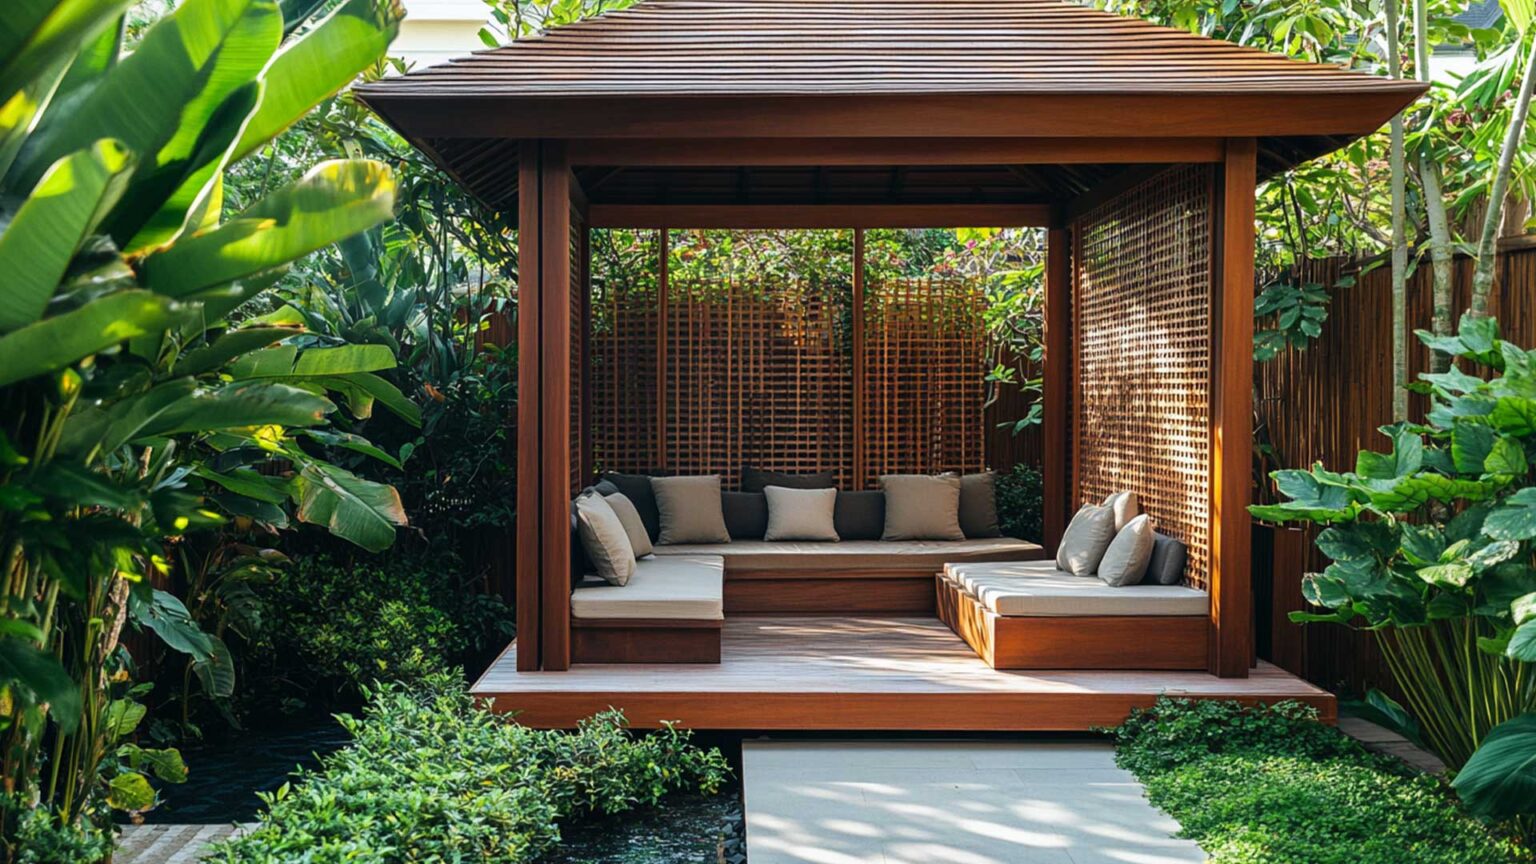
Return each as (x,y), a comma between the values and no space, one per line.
(925,358)
(624,368)
(577,295)
(1142,333)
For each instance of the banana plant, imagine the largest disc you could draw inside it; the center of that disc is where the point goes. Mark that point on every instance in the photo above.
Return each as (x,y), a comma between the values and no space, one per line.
(133,409)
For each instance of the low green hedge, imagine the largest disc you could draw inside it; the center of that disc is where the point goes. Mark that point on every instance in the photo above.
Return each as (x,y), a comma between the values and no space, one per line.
(1273,786)
(431,776)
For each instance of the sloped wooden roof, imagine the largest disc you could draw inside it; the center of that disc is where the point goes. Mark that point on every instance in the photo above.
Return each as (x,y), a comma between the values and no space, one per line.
(749,69)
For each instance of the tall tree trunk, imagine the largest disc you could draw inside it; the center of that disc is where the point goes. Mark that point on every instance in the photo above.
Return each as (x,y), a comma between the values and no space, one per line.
(1399,233)
(1434,202)
(1482,276)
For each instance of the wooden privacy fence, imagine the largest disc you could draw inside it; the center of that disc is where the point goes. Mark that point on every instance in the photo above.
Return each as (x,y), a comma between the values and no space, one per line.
(1324,404)
(797,375)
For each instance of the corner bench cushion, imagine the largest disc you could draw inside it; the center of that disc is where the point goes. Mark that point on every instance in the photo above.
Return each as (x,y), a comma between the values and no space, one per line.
(1038,589)
(674,588)
(917,556)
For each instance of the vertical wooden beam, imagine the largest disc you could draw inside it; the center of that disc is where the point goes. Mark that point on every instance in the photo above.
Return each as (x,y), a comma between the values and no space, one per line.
(529,571)
(664,242)
(1056,382)
(1074,396)
(555,399)
(1231,458)
(584,261)
(860,468)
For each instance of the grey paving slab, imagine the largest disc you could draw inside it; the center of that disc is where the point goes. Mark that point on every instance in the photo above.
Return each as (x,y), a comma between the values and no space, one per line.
(168,844)
(1029,802)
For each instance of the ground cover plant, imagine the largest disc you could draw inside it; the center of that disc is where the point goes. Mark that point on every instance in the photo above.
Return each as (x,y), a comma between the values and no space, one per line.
(432,776)
(1271,785)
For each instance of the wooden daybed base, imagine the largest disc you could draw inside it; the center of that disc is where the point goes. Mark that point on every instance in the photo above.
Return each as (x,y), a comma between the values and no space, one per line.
(1087,641)
(645,640)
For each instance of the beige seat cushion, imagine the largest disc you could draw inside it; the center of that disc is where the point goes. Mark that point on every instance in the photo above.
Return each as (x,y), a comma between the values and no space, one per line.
(674,587)
(897,556)
(1038,589)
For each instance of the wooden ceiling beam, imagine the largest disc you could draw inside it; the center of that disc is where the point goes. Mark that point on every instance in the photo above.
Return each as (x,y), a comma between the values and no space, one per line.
(829,152)
(771,216)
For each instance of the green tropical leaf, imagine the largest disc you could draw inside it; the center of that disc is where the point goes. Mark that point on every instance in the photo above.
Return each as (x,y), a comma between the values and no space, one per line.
(1515,518)
(109,426)
(1522,645)
(216,672)
(333,201)
(38,35)
(1471,443)
(237,406)
(165,764)
(287,361)
(350,507)
(63,340)
(244,481)
(235,343)
(23,663)
(320,63)
(1407,456)
(1514,415)
(363,388)
(1506,457)
(165,615)
(122,717)
(51,225)
(355,443)
(130,793)
(1499,781)
(158,99)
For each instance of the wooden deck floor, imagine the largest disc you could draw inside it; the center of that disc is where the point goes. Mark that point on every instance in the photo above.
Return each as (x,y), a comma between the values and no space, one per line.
(863,673)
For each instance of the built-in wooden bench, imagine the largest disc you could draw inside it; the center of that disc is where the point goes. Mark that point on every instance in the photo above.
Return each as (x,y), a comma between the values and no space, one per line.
(848,577)
(1029,615)
(670,612)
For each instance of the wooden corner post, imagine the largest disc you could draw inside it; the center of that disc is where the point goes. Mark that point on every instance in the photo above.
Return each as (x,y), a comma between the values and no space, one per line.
(529,566)
(1231,459)
(1056,381)
(555,399)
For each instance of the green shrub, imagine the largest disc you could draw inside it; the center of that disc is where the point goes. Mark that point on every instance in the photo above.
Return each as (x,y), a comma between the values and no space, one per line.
(431,776)
(1271,785)
(342,624)
(1019,508)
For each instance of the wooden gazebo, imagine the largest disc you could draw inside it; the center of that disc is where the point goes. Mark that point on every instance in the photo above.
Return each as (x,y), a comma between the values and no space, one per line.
(1136,147)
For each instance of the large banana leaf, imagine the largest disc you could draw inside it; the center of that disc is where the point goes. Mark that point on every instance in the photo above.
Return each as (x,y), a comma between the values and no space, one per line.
(55,343)
(157,99)
(352,508)
(37,35)
(238,406)
(286,361)
(333,201)
(233,344)
(362,389)
(93,59)
(52,223)
(321,62)
(22,662)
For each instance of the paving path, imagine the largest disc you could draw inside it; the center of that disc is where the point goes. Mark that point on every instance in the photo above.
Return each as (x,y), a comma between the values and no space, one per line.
(167,844)
(1030,802)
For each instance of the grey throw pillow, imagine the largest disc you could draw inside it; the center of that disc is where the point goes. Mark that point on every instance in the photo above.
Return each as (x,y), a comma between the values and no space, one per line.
(637,488)
(920,507)
(756,480)
(1167,564)
(690,510)
(1085,540)
(604,539)
(860,515)
(624,508)
(978,505)
(1125,561)
(800,514)
(1126,506)
(746,514)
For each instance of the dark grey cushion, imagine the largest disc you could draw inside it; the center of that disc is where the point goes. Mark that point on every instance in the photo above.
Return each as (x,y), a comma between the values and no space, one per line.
(755,479)
(859,515)
(606,488)
(637,488)
(581,563)
(978,505)
(1168,557)
(746,514)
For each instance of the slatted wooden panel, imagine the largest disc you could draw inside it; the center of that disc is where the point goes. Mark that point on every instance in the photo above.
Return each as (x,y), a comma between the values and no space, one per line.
(762,374)
(1325,403)
(579,326)
(1142,330)
(924,390)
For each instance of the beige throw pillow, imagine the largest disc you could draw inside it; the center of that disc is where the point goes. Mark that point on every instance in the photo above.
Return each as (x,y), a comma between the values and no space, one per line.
(1125,561)
(1085,541)
(691,511)
(800,514)
(634,526)
(1126,506)
(604,539)
(920,507)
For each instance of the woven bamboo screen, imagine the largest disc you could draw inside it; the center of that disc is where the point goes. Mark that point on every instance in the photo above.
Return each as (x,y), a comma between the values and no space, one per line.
(1142,333)
(925,347)
(759,373)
